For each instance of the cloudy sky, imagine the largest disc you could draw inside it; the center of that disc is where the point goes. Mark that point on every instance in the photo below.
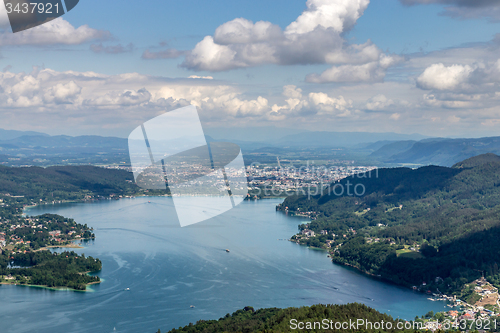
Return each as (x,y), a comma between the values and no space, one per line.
(405,66)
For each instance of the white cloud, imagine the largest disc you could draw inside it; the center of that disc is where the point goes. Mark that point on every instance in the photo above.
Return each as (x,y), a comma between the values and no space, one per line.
(461,86)
(31,90)
(314,104)
(57,31)
(200,77)
(130,97)
(379,102)
(370,72)
(326,105)
(340,15)
(121,98)
(62,93)
(395,116)
(441,77)
(465,77)
(315,37)
(243,31)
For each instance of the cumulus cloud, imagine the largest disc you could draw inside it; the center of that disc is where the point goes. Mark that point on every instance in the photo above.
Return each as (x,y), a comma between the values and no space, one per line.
(462,86)
(464,9)
(454,101)
(31,90)
(315,37)
(341,16)
(200,77)
(480,77)
(379,102)
(121,98)
(314,103)
(441,77)
(112,104)
(111,49)
(62,93)
(370,72)
(57,31)
(89,94)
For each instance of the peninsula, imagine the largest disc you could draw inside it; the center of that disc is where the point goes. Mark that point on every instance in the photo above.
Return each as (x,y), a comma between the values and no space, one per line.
(25,241)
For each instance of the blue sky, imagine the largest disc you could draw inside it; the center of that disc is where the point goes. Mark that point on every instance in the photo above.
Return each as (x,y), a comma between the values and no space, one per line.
(395,65)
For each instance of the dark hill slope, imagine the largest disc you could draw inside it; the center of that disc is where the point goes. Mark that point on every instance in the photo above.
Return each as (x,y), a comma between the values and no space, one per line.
(446,208)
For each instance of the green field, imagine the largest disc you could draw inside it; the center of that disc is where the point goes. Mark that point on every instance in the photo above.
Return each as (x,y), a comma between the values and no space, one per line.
(409,254)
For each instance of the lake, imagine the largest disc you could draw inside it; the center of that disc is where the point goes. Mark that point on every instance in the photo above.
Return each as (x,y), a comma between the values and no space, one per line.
(168,269)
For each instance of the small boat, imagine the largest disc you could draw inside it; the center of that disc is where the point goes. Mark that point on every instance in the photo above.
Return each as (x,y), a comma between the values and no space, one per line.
(191,306)
(227,250)
(149,201)
(127,289)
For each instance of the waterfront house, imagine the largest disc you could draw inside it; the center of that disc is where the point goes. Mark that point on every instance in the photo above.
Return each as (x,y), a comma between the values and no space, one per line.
(308,233)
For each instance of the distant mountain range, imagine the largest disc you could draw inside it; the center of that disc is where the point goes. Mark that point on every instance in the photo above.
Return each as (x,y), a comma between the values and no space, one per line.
(286,137)
(32,148)
(11,134)
(388,149)
(437,151)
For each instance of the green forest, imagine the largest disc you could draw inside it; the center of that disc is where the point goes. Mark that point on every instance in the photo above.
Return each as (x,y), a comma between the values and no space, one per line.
(65,183)
(249,320)
(435,228)
(43,268)
(22,261)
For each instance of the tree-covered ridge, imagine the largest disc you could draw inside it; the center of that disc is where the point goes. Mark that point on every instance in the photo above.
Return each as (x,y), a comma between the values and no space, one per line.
(281,320)
(433,224)
(44,268)
(65,182)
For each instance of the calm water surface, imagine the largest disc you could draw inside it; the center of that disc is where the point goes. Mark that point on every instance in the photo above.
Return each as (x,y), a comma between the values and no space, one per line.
(169,268)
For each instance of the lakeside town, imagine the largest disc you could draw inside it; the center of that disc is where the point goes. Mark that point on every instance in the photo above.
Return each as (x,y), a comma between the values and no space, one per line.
(24,241)
(262,180)
(278,179)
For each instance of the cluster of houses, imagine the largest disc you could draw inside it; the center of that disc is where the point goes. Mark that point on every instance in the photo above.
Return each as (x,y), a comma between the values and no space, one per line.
(9,237)
(291,178)
(489,296)
(306,233)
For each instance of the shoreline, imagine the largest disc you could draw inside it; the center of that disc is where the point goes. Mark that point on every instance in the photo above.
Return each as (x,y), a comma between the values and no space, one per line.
(379,278)
(67,246)
(50,288)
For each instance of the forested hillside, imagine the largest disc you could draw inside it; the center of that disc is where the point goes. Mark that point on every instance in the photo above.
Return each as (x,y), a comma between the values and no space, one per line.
(65,182)
(433,227)
(281,320)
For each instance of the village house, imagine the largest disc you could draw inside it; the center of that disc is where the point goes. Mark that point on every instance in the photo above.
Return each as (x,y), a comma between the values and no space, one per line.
(308,233)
